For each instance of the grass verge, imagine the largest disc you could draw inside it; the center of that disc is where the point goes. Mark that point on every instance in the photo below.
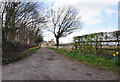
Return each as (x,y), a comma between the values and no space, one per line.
(20,56)
(90,59)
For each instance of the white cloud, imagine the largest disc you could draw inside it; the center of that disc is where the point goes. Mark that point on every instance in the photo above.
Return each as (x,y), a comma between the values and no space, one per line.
(109,12)
(48,35)
(89,11)
(108,29)
(73,1)
(70,37)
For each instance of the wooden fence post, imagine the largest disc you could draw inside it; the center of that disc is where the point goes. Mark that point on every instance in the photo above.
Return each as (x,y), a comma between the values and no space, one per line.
(84,48)
(79,43)
(96,46)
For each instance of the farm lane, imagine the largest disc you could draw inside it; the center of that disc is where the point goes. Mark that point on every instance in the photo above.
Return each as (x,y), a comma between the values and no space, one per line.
(48,65)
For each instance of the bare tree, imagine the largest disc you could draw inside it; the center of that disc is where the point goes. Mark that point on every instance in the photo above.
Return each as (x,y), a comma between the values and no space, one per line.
(2,9)
(64,21)
(21,20)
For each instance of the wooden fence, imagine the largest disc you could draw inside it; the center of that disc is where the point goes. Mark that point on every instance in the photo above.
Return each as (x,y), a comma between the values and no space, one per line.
(98,43)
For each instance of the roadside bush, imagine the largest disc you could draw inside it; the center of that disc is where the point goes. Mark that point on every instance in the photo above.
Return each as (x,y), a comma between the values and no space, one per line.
(11,49)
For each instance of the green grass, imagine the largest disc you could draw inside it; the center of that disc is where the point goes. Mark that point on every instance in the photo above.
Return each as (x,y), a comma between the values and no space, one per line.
(90,59)
(20,56)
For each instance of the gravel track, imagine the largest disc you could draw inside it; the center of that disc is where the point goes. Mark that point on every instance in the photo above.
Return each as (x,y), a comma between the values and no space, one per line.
(48,65)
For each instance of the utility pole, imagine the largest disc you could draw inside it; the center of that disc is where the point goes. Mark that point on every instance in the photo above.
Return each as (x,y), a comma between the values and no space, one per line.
(48,37)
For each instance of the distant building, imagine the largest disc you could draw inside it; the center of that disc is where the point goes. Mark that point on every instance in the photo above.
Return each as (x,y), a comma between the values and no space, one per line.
(49,43)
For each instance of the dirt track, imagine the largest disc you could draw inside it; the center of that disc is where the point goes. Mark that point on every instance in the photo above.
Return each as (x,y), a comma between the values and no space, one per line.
(48,65)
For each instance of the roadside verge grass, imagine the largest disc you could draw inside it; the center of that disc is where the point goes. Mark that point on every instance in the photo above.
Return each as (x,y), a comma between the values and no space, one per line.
(23,54)
(108,64)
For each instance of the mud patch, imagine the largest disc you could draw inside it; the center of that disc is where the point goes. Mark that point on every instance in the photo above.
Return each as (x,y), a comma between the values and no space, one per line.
(51,59)
(53,55)
(73,69)
(89,74)
(50,52)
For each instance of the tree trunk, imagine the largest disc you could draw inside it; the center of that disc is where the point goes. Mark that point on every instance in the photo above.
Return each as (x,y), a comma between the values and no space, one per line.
(57,42)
